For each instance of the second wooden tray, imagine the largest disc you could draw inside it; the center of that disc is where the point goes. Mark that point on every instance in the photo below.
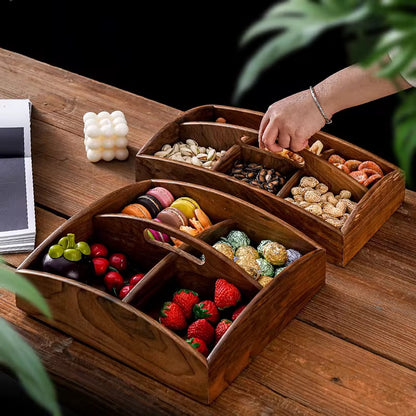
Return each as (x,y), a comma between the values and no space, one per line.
(128,329)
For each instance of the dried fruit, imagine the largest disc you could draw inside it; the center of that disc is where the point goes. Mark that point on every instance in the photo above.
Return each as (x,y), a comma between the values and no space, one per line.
(359,176)
(368,164)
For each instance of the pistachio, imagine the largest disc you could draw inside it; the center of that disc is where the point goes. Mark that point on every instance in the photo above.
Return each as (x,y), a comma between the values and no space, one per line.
(195,161)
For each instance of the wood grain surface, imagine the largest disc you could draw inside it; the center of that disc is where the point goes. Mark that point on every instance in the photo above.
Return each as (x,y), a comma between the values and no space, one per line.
(350,351)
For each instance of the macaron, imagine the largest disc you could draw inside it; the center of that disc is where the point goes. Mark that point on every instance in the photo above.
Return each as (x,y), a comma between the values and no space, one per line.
(202,218)
(189,230)
(152,204)
(137,210)
(186,205)
(157,235)
(172,216)
(163,195)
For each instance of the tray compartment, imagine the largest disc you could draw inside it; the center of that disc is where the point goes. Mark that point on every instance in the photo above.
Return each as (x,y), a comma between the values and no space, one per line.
(127,329)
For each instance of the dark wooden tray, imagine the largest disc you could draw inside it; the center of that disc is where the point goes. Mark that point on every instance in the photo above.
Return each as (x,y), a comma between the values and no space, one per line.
(374,205)
(128,329)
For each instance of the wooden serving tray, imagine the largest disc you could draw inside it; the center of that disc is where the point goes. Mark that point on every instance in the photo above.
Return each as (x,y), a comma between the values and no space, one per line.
(375,204)
(128,329)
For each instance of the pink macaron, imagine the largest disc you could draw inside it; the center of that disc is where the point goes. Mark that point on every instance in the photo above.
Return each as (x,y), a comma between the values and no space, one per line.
(157,235)
(162,194)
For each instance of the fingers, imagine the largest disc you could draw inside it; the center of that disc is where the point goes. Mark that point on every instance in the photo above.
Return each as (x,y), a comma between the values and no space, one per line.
(297,146)
(268,138)
(263,124)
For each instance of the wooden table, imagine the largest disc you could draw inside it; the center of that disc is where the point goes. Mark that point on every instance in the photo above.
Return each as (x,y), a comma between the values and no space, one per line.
(351,351)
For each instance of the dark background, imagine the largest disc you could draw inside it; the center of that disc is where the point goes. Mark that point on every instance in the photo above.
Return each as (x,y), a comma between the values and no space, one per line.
(182,54)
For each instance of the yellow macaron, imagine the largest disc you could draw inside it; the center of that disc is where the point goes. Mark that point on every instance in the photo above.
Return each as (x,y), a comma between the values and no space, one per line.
(186,205)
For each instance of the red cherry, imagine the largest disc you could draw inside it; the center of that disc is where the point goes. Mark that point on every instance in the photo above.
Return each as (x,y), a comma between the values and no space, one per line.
(124,290)
(99,250)
(136,279)
(113,281)
(119,261)
(100,265)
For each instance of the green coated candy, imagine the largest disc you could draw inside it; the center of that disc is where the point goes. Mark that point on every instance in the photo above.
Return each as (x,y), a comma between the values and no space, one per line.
(84,248)
(261,246)
(72,254)
(266,268)
(63,242)
(237,239)
(55,251)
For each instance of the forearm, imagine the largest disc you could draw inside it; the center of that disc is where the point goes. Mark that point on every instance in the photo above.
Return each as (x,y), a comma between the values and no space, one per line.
(353,86)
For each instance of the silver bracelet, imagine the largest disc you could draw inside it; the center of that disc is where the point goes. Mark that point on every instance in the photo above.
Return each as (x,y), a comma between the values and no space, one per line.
(327,120)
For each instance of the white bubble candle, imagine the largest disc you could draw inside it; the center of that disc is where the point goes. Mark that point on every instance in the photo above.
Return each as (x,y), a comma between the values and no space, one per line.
(105,136)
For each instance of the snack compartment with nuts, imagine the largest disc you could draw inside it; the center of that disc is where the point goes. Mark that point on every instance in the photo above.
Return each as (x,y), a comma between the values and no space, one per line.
(137,329)
(317,198)
(196,144)
(364,167)
(255,167)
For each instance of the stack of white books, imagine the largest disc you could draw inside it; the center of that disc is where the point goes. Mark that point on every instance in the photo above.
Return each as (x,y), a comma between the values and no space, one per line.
(17,207)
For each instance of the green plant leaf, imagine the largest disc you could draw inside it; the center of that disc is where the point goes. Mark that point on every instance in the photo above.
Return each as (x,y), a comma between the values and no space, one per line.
(302,22)
(17,284)
(404,127)
(16,354)
(273,50)
(402,60)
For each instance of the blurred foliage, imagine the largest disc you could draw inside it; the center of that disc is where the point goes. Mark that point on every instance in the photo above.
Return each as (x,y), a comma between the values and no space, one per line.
(371,29)
(16,354)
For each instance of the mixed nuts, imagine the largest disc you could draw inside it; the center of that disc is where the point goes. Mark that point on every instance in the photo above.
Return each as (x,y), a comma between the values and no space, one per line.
(191,152)
(257,175)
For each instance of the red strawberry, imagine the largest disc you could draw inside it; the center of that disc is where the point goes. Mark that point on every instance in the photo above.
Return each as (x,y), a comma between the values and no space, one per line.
(186,299)
(172,317)
(201,329)
(237,312)
(208,310)
(221,328)
(199,345)
(226,294)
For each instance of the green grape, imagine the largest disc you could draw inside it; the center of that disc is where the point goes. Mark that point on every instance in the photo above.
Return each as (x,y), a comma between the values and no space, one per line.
(84,248)
(63,242)
(55,251)
(72,254)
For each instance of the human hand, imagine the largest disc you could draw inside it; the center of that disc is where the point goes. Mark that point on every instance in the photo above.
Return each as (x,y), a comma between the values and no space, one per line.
(289,123)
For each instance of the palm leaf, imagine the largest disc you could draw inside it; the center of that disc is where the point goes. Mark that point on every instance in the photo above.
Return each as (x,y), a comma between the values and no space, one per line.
(16,354)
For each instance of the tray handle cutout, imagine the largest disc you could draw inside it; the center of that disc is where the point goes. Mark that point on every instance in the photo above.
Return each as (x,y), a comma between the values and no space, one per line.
(213,259)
